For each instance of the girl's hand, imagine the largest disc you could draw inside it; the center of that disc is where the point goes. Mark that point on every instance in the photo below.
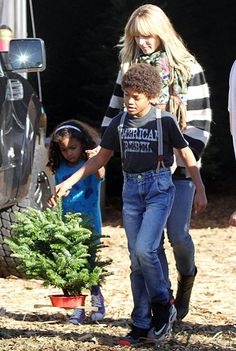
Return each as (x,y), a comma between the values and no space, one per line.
(200,201)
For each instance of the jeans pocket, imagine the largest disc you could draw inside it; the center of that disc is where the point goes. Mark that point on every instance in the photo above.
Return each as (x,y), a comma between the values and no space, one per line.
(164,183)
(129,190)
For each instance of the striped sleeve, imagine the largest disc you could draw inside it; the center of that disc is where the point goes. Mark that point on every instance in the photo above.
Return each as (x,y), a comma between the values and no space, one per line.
(116,103)
(199,112)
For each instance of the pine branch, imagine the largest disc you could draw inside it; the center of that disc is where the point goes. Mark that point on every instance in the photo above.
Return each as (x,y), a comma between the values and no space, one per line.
(59,250)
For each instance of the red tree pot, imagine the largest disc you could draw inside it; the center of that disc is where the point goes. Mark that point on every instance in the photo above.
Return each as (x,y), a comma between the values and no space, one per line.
(67,301)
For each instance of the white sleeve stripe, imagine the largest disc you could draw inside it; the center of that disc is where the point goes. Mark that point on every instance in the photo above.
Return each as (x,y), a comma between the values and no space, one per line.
(116,102)
(106,121)
(197,134)
(202,115)
(119,78)
(201,91)
(196,68)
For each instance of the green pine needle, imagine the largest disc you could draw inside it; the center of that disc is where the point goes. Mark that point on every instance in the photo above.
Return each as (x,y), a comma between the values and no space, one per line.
(58,249)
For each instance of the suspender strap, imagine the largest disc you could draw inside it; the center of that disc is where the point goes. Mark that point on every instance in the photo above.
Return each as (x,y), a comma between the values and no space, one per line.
(120,128)
(160,156)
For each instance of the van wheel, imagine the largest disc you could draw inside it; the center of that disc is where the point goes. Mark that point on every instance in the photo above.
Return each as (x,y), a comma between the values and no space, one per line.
(37,196)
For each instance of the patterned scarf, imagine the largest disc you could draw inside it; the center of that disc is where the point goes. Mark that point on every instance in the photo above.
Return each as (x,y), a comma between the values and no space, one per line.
(174,96)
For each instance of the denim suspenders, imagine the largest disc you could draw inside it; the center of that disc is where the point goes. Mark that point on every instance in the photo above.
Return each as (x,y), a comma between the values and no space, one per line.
(160,156)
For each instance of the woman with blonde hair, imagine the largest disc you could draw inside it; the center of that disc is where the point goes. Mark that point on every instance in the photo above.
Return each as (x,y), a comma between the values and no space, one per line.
(149,37)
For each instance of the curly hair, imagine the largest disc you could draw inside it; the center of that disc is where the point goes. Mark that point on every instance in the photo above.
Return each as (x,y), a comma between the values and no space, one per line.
(84,135)
(142,78)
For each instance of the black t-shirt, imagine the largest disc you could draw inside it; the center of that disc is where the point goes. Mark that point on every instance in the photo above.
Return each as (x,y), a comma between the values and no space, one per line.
(140,140)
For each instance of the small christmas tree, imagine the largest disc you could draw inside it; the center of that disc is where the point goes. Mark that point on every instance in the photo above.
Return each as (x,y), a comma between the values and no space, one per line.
(63,252)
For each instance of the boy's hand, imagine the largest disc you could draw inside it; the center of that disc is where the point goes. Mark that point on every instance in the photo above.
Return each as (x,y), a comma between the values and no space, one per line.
(200,201)
(52,201)
(232,219)
(60,190)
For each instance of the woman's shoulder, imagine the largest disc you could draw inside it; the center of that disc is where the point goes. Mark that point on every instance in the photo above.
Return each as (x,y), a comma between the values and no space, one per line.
(195,67)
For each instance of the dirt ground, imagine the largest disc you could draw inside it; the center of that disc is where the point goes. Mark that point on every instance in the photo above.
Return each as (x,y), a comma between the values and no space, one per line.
(210,325)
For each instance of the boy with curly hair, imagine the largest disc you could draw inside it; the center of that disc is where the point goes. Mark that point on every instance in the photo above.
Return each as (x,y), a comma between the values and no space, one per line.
(145,136)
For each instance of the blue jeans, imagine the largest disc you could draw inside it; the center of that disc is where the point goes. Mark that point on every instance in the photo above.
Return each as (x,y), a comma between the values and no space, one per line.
(147,201)
(178,230)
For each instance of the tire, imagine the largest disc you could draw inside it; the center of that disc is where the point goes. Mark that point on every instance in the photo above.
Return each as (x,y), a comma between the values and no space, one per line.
(39,192)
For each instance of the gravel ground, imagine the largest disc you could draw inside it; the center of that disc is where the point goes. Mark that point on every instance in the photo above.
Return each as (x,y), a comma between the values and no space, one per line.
(210,325)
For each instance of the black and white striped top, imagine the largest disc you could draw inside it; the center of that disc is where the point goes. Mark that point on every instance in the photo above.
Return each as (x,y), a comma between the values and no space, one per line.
(199,112)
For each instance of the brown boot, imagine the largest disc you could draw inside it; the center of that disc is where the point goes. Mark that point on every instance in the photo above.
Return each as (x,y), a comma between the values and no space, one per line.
(184,290)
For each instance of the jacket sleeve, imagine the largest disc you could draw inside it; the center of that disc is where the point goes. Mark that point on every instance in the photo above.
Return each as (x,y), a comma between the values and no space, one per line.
(116,104)
(199,114)
(232,103)
(232,89)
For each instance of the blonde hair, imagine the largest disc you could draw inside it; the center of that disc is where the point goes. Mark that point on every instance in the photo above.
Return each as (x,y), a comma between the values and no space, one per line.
(151,20)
